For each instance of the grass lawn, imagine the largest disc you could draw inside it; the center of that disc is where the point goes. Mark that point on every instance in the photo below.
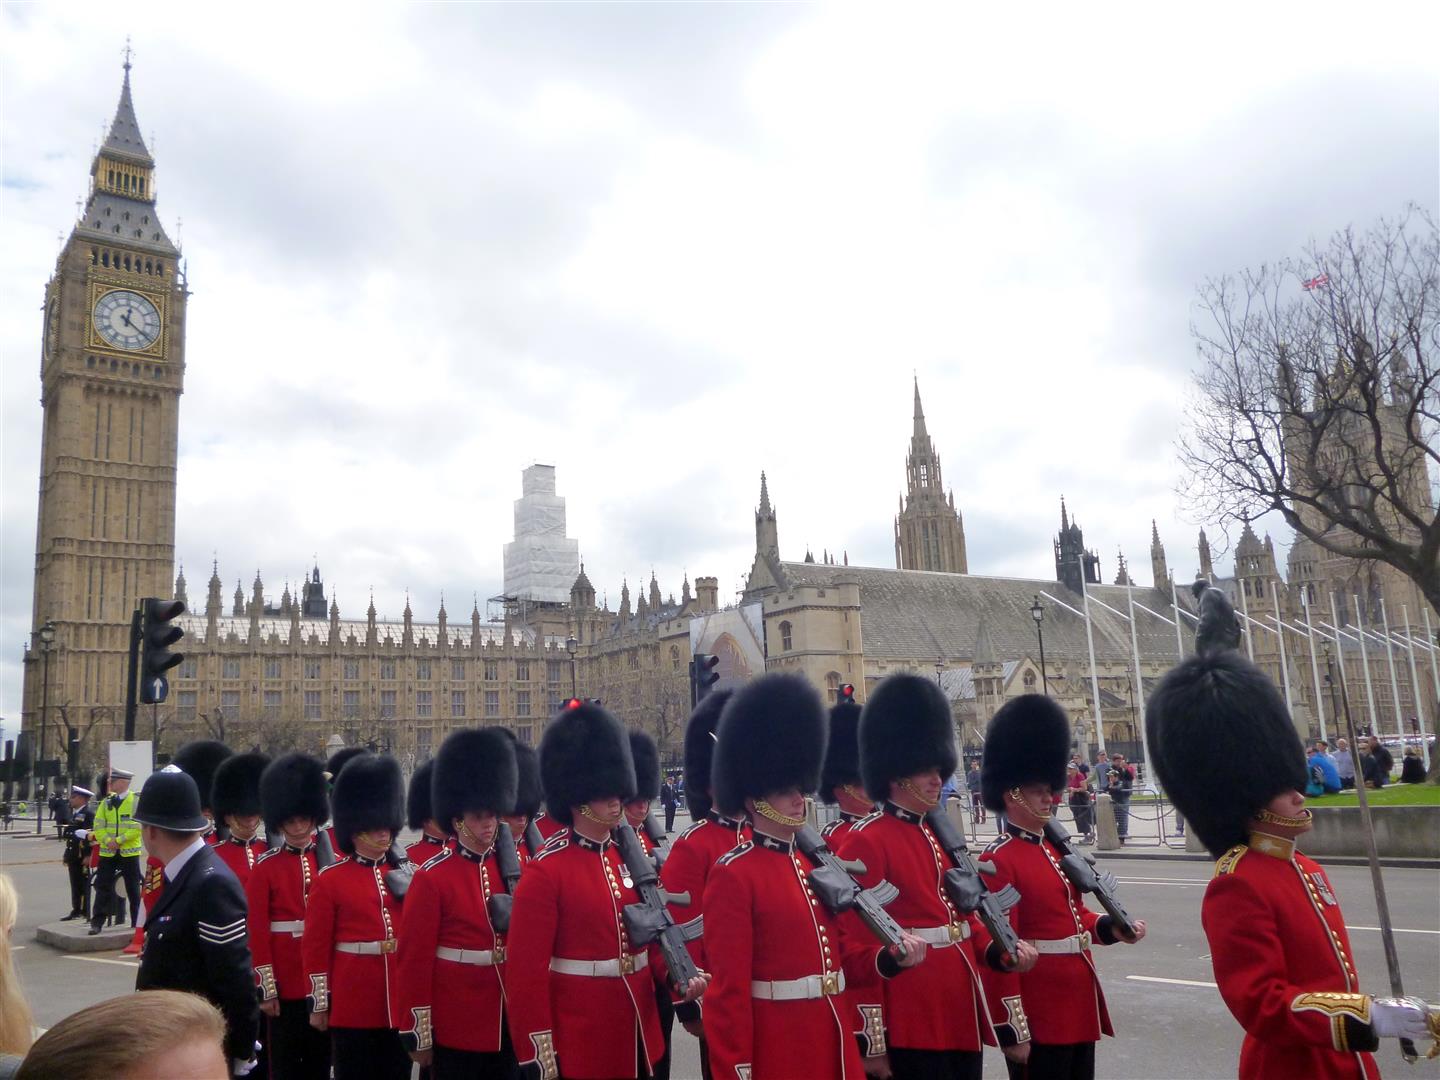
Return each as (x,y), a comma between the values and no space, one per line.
(1390,795)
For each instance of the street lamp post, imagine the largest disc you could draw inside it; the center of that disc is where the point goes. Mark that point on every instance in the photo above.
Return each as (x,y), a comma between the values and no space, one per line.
(47,642)
(572,647)
(1037,612)
(939,670)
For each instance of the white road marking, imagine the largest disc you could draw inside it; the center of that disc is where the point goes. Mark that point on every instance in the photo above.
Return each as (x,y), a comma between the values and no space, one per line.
(1161,881)
(1397,929)
(103,960)
(1173,982)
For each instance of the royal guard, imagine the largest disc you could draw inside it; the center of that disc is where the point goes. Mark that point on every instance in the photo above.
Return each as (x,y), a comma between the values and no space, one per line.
(452,957)
(934,1022)
(235,801)
(199,759)
(528,799)
(781,962)
(840,784)
(333,764)
(418,816)
(352,925)
(646,756)
(1050,1017)
(580,995)
(694,853)
(293,801)
(1226,751)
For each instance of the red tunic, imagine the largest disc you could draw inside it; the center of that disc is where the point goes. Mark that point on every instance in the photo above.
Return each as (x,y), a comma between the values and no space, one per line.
(1061,996)
(276,893)
(569,907)
(763,923)
(350,904)
(444,1000)
(547,825)
(240,856)
(835,831)
(693,854)
(1283,961)
(939,1005)
(425,849)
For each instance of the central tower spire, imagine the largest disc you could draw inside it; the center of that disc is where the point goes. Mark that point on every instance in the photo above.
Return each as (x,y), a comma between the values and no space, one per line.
(929,531)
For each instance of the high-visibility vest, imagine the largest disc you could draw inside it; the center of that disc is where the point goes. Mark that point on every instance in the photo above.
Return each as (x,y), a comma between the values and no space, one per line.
(117,823)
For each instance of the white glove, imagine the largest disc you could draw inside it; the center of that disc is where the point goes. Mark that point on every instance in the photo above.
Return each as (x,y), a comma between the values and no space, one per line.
(1399,1018)
(242,1068)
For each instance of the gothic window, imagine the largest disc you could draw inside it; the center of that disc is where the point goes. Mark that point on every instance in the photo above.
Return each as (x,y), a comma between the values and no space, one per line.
(422,744)
(492,703)
(522,670)
(675,657)
(312,704)
(189,667)
(522,703)
(552,671)
(312,669)
(422,670)
(457,703)
(786,640)
(230,704)
(185,706)
(387,703)
(272,702)
(423,702)
(351,702)
(832,687)
(526,734)
(552,701)
(272,668)
(633,660)
(457,670)
(1029,682)
(352,669)
(230,668)
(924,475)
(492,671)
(387,669)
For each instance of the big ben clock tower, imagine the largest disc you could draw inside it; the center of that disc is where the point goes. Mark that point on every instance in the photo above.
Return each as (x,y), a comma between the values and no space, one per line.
(111,372)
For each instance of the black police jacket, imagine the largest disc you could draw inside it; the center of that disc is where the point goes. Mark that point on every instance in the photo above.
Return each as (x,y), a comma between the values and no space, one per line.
(195,940)
(77,850)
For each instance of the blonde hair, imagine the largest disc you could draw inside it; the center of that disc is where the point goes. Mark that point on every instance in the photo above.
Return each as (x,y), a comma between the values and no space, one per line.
(16,1024)
(116,1037)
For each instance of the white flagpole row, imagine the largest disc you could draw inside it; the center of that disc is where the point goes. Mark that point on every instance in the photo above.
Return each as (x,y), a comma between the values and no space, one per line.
(1340,649)
(1365,663)
(1245,613)
(1315,665)
(1434,665)
(1394,684)
(1415,689)
(1139,685)
(1094,675)
(1280,641)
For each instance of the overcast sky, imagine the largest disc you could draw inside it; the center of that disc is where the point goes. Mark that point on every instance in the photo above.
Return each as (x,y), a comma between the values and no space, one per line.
(664,247)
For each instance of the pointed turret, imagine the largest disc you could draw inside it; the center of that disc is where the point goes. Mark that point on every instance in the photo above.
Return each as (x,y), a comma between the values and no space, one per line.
(212,597)
(767,532)
(1207,567)
(1122,575)
(125,139)
(624,600)
(655,601)
(920,432)
(239,608)
(929,533)
(180,587)
(582,593)
(685,596)
(1159,567)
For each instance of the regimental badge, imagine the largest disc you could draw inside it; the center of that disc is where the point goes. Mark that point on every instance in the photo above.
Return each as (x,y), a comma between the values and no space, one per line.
(627,881)
(1323,888)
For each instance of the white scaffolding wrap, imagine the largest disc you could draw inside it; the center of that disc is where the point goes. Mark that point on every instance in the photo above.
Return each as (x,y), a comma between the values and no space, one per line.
(541,563)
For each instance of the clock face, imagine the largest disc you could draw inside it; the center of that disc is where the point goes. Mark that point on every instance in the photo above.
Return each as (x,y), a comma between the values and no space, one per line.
(127,320)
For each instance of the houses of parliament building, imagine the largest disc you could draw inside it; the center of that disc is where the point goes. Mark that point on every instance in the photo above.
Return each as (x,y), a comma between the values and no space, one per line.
(297,672)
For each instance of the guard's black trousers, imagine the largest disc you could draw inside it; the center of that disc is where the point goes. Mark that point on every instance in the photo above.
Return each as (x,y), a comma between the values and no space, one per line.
(1072,1061)
(79,887)
(297,1050)
(472,1065)
(368,1054)
(935,1064)
(128,868)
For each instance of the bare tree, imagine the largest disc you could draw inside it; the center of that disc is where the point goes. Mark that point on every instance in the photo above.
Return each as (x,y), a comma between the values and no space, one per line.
(1319,397)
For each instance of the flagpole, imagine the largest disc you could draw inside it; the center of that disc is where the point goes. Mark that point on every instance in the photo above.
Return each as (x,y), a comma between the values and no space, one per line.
(1434,664)
(1249,634)
(1415,687)
(1340,648)
(1135,655)
(1094,678)
(1365,660)
(1280,640)
(1394,686)
(1314,662)
(1179,638)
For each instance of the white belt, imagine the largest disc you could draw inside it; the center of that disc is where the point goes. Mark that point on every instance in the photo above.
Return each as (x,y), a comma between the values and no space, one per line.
(296,927)
(807,989)
(941,935)
(366,948)
(1077,943)
(478,957)
(599,969)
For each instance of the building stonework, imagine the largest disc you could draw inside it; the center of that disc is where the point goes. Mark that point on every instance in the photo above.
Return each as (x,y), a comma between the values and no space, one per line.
(929,531)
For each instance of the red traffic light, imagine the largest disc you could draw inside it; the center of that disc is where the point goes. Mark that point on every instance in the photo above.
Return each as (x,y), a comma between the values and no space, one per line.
(847,692)
(572,703)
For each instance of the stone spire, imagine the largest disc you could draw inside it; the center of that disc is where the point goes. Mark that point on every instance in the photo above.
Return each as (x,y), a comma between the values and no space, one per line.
(1122,575)
(920,432)
(624,600)
(929,531)
(1159,569)
(180,587)
(125,139)
(212,598)
(239,608)
(1207,567)
(767,531)
(655,602)
(685,595)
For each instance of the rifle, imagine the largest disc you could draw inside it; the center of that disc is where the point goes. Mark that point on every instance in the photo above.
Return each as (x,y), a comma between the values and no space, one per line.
(324,849)
(1080,868)
(401,873)
(650,919)
(533,840)
(833,881)
(656,835)
(968,892)
(507,861)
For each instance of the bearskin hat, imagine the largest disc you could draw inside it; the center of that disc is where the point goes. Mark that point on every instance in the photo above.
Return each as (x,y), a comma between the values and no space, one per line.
(646,756)
(842,755)
(417,799)
(905,728)
(771,736)
(529,794)
(584,755)
(368,794)
(1027,742)
(475,770)
(199,759)
(1223,745)
(293,786)
(338,759)
(236,788)
(700,751)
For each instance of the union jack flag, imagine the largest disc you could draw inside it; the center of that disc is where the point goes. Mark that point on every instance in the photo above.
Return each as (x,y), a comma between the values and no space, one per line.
(1319,281)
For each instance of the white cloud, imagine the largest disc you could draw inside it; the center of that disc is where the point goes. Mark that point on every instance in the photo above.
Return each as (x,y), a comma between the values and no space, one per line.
(664,247)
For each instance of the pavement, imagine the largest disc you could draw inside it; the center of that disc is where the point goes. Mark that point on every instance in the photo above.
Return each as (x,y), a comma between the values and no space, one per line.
(1170,1020)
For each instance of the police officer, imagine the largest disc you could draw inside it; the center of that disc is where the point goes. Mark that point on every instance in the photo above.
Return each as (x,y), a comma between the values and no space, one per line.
(117,837)
(235,801)
(452,956)
(195,935)
(77,851)
(781,962)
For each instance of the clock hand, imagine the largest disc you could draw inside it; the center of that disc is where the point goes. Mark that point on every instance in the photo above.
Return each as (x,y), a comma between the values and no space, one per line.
(125,318)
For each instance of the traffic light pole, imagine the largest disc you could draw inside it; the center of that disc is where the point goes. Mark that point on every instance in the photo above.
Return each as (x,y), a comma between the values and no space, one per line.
(131,680)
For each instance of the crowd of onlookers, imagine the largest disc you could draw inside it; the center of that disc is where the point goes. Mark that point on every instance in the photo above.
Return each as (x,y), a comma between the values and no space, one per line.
(1332,767)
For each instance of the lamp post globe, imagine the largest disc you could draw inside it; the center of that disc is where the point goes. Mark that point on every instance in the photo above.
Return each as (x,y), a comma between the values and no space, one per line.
(572,647)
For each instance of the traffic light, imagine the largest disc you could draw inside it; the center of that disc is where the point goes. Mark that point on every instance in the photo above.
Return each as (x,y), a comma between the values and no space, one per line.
(703,676)
(157,634)
(847,693)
